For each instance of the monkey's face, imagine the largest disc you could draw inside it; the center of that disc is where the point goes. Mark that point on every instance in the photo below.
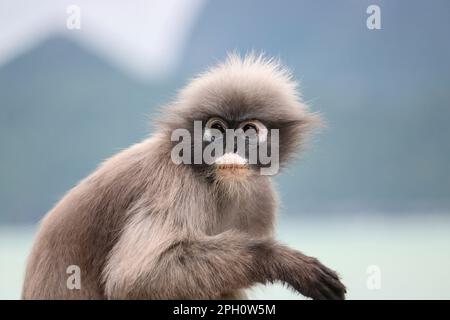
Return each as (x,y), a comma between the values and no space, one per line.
(244,117)
(232,147)
(237,140)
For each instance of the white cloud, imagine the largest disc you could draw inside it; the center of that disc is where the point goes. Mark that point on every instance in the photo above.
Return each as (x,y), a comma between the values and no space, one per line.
(145,38)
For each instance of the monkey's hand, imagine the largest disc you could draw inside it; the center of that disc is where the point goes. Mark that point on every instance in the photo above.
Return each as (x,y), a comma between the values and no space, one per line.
(310,277)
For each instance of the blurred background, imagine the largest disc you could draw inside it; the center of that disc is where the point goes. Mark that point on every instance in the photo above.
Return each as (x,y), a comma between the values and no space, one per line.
(370,197)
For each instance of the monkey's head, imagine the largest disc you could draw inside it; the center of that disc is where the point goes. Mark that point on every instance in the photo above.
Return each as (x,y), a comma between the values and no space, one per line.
(243,118)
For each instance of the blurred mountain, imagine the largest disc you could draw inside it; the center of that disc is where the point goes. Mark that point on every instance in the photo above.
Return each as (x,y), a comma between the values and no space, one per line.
(62,111)
(384,95)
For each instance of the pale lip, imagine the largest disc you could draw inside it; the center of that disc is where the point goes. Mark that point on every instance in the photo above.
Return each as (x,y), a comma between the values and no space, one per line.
(232,166)
(231,161)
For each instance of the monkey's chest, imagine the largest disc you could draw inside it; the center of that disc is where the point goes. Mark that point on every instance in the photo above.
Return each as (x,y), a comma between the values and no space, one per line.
(245,218)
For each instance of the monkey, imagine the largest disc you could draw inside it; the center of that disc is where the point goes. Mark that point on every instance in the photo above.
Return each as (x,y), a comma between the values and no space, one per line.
(142,226)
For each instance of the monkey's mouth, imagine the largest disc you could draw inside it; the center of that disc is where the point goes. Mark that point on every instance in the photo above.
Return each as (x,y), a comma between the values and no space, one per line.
(232,165)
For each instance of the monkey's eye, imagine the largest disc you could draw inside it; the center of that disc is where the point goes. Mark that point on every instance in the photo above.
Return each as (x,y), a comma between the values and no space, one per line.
(214,124)
(249,126)
(254,127)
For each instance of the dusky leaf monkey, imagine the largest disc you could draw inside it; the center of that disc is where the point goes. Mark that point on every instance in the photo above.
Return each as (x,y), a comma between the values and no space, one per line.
(144,227)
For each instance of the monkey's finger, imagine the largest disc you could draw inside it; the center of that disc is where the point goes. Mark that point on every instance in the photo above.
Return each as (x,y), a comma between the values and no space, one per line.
(329,272)
(333,288)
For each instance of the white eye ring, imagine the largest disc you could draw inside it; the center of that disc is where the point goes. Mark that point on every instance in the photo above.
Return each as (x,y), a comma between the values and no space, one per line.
(261,129)
(208,135)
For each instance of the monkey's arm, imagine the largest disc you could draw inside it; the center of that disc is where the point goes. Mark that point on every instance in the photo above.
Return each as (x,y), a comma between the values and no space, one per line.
(151,262)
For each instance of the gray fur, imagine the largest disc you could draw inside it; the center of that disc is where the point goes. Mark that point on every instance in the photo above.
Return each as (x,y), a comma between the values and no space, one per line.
(142,227)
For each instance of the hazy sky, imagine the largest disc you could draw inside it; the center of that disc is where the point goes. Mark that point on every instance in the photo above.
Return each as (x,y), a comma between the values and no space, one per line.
(144,37)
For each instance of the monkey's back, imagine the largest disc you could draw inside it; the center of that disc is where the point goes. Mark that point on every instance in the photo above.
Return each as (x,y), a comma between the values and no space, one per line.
(83,227)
